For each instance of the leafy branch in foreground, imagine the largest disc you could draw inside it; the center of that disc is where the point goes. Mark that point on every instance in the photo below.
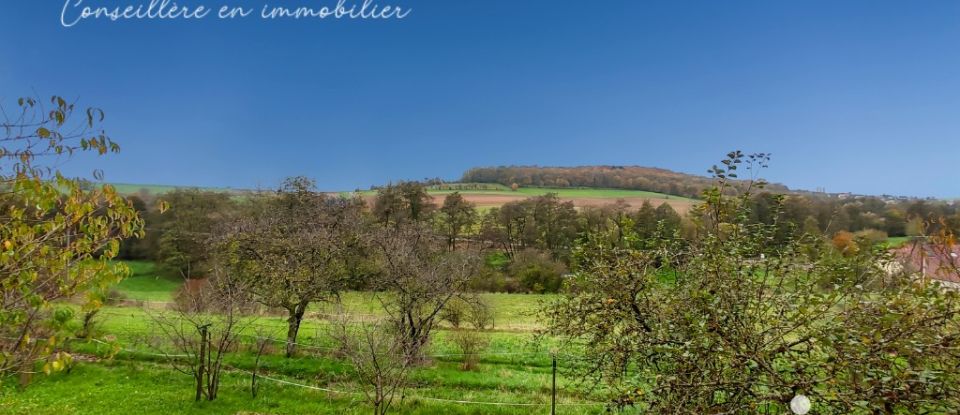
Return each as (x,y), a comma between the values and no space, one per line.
(57,234)
(739,320)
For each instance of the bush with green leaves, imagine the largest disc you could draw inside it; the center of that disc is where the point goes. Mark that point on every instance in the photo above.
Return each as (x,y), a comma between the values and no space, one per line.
(737,321)
(536,272)
(57,234)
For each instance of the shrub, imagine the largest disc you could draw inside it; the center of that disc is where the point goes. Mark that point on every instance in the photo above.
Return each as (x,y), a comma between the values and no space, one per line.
(536,272)
(471,344)
(454,312)
(870,237)
(845,243)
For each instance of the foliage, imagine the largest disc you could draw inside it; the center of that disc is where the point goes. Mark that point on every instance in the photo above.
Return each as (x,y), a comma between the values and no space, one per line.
(456,216)
(617,177)
(57,234)
(293,248)
(404,202)
(536,272)
(739,320)
(185,229)
(542,222)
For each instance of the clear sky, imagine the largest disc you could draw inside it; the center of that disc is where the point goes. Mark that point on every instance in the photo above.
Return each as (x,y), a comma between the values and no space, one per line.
(860,96)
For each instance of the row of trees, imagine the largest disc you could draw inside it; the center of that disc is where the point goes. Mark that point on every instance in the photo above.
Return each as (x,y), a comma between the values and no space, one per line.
(526,244)
(829,214)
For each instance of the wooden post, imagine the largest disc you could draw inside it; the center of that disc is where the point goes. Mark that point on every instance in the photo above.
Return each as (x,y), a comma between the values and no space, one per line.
(553,398)
(261,344)
(200,368)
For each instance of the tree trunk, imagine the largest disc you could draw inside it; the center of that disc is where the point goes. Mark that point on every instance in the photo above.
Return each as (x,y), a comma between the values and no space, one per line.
(293,326)
(202,358)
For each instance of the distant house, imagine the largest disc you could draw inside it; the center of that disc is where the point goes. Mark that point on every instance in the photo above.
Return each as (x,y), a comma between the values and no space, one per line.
(936,263)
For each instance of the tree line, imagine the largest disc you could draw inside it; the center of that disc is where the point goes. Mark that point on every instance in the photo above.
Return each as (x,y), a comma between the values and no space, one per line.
(614,177)
(828,213)
(526,245)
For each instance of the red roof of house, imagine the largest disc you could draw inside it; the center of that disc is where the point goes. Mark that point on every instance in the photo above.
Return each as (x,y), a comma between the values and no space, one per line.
(942,263)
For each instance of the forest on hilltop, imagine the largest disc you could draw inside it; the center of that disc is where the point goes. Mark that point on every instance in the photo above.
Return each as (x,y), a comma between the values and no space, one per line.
(616,177)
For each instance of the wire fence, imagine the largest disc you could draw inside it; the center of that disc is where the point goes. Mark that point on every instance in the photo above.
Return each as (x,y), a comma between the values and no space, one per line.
(134,331)
(258,375)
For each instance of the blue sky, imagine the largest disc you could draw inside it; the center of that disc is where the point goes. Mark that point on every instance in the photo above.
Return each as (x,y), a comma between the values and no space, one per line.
(859,96)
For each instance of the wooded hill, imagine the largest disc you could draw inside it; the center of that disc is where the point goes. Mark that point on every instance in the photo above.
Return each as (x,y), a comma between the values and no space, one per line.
(617,177)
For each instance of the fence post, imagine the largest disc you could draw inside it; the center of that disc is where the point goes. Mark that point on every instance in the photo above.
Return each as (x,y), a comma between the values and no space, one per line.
(553,399)
(203,353)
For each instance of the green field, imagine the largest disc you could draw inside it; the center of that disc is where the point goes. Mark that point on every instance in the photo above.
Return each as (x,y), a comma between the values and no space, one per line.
(897,241)
(513,377)
(157,189)
(565,192)
(146,283)
(479,189)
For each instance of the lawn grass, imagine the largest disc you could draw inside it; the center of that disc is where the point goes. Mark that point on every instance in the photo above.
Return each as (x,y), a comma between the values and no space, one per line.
(147,283)
(464,188)
(897,241)
(511,311)
(158,189)
(515,369)
(128,387)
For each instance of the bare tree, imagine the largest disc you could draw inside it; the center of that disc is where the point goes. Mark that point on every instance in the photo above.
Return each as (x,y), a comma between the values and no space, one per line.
(203,326)
(418,279)
(376,351)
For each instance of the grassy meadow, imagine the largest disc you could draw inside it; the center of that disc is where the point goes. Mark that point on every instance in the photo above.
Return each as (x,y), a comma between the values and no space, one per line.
(156,189)
(127,371)
(564,192)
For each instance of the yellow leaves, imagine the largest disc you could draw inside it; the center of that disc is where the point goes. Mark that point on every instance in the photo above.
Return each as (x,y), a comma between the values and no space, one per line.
(7,245)
(58,362)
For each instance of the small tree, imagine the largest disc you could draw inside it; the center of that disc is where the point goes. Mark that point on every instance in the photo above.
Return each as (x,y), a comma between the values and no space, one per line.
(456,215)
(417,280)
(203,327)
(402,203)
(377,353)
(187,226)
(57,234)
(472,341)
(294,248)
